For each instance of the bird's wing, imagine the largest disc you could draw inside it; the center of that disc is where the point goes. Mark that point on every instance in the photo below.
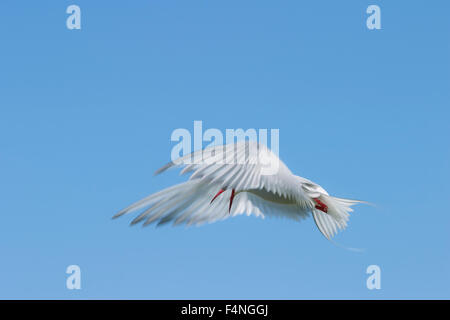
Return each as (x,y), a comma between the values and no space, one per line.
(190,203)
(261,182)
(241,166)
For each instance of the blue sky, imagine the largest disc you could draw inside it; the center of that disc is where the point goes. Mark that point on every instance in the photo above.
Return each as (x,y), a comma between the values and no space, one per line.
(86,117)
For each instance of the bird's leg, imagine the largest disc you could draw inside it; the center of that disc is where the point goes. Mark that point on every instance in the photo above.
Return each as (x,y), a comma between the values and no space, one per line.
(320,205)
(231,200)
(231,197)
(218,193)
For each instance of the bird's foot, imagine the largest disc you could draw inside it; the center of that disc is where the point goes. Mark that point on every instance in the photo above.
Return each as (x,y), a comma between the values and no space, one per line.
(231,197)
(218,194)
(231,201)
(320,205)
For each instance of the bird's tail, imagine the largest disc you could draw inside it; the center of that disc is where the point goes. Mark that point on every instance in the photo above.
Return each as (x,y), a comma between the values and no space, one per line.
(336,217)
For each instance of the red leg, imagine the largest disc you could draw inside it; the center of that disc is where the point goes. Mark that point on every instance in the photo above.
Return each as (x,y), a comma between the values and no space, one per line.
(231,200)
(218,193)
(320,205)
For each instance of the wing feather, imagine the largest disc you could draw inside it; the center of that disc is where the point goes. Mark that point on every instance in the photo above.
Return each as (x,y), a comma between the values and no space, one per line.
(240,166)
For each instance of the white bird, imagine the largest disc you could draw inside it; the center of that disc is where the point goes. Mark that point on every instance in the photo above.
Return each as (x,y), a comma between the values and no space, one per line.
(241,178)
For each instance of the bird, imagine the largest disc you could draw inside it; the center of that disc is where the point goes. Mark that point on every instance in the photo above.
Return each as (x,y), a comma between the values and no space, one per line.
(244,177)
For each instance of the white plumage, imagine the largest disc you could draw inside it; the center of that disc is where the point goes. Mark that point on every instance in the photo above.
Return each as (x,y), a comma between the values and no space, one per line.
(241,178)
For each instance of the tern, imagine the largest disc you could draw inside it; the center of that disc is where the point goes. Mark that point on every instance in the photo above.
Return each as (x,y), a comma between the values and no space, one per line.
(240,178)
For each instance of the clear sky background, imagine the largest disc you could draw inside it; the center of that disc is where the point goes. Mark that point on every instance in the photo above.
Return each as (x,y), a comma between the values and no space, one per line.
(86,117)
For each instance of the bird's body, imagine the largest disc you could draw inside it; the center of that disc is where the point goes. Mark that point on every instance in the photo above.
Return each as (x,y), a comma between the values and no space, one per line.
(241,178)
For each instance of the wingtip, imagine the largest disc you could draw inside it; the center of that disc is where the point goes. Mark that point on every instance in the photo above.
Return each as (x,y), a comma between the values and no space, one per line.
(164,168)
(369,203)
(117,215)
(120,213)
(136,220)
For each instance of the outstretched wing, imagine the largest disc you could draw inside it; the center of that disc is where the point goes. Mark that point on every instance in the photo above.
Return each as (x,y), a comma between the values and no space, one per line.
(244,165)
(263,186)
(190,203)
